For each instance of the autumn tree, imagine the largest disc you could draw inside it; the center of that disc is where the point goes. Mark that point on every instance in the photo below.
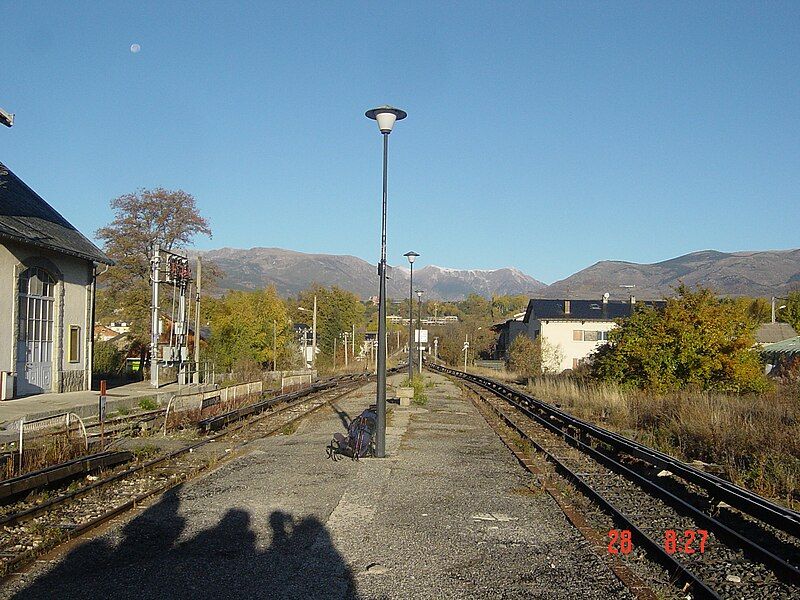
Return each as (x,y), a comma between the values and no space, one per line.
(247,327)
(791,312)
(525,357)
(337,311)
(507,306)
(697,340)
(142,219)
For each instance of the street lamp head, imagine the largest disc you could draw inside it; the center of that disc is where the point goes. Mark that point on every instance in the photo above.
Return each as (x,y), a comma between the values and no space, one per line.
(420,292)
(411,256)
(386,116)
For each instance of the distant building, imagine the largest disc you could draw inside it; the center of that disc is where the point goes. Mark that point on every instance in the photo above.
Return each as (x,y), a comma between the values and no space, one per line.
(507,331)
(443,320)
(571,329)
(103,333)
(770,333)
(574,329)
(46,306)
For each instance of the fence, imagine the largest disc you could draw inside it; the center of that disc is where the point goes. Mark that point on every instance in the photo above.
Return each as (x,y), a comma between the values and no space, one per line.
(294,381)
(201,400)
(63,419)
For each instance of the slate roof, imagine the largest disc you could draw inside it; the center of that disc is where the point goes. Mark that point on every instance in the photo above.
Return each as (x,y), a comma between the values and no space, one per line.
(25,217)
(768,333)
(584,310)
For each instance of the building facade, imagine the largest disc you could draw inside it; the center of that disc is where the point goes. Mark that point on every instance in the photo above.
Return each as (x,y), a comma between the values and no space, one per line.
(47,299)
(571,330)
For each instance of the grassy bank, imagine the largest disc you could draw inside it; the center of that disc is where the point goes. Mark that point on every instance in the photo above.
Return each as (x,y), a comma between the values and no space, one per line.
(754,438)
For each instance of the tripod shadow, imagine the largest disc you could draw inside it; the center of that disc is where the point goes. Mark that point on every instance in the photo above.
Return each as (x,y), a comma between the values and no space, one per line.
(343,416)
(152,559)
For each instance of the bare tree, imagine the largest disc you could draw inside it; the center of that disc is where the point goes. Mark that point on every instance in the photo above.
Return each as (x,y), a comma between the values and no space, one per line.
(142,219)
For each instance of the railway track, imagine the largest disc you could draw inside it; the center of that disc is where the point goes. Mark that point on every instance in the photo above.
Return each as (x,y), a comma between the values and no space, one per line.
(28,529)
(714,539)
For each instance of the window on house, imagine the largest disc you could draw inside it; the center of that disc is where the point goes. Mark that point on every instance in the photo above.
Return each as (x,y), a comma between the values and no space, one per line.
(577,335)
(591,336)
(73,350)
(575,363)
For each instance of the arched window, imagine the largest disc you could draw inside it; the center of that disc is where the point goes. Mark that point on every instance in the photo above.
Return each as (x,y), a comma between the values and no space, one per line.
(35,339)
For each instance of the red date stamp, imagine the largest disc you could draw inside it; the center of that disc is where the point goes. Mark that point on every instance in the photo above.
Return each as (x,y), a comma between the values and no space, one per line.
(688,541)
(619,541)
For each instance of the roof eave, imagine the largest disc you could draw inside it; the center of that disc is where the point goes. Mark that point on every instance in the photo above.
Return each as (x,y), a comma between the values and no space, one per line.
(99,258)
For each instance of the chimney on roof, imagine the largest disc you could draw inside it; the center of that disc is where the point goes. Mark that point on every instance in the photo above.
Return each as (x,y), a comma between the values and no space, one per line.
(566,307)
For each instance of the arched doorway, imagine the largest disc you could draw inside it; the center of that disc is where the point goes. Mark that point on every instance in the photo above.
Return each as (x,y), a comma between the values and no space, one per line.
(35,332)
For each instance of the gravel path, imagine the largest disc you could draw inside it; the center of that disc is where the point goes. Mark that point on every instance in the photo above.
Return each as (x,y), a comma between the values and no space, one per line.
(447,515)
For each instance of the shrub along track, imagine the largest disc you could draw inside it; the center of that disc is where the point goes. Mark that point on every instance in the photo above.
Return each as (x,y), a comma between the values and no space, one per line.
(27,529)
(750,546)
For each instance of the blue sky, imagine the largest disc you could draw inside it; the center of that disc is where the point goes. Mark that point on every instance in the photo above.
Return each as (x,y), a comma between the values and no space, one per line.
(545,136)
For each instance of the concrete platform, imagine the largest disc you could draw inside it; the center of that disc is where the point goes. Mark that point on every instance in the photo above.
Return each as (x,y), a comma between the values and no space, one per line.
(447,515)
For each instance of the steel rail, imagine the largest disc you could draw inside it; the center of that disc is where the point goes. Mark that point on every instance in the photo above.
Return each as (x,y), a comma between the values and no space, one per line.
(675,568)
(519,400)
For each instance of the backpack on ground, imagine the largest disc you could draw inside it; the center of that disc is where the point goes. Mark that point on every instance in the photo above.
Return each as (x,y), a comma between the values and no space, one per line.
(359,441)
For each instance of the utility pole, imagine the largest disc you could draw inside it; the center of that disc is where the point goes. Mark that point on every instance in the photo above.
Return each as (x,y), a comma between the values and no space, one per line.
(154,264)
(314,336)
(334,355)
(196,378)
(275,345)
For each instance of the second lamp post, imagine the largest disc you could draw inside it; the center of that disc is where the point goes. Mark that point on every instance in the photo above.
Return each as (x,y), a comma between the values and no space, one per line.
(419,327)
(411,256)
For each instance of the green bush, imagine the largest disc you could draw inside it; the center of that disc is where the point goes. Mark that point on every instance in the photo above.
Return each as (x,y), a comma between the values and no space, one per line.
(418,383)
(108,361)
(147,404)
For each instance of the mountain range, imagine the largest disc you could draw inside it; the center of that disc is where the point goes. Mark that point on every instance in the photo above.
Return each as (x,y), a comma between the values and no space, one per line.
(291,272)
(767,273)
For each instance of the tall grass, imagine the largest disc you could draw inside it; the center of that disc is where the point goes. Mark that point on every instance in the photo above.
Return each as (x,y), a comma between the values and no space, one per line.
(755,439)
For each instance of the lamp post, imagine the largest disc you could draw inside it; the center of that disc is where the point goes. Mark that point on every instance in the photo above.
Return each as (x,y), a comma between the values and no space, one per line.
(386,117)
(419,326)
(411,256)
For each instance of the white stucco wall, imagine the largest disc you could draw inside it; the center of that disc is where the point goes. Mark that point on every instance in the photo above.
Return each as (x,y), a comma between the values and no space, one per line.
(7,262)
(559,335)
(72,307)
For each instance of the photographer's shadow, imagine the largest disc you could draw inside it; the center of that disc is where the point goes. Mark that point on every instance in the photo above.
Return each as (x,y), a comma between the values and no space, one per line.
(223,561)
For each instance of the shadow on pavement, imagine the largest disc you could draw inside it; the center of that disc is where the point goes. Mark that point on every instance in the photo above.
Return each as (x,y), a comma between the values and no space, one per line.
(343,416)
(151,561)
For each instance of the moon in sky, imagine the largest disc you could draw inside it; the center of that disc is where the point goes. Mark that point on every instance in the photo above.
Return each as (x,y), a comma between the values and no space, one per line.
(135,48)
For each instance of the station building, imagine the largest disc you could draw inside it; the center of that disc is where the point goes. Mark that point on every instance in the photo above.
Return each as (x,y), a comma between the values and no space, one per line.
(47,275)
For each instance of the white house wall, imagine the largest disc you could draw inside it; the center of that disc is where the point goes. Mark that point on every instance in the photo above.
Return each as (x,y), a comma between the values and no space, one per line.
(559,334)
(72,307)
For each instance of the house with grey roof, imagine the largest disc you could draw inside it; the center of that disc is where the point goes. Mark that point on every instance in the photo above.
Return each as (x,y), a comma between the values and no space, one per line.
(571,330)
(47,270)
